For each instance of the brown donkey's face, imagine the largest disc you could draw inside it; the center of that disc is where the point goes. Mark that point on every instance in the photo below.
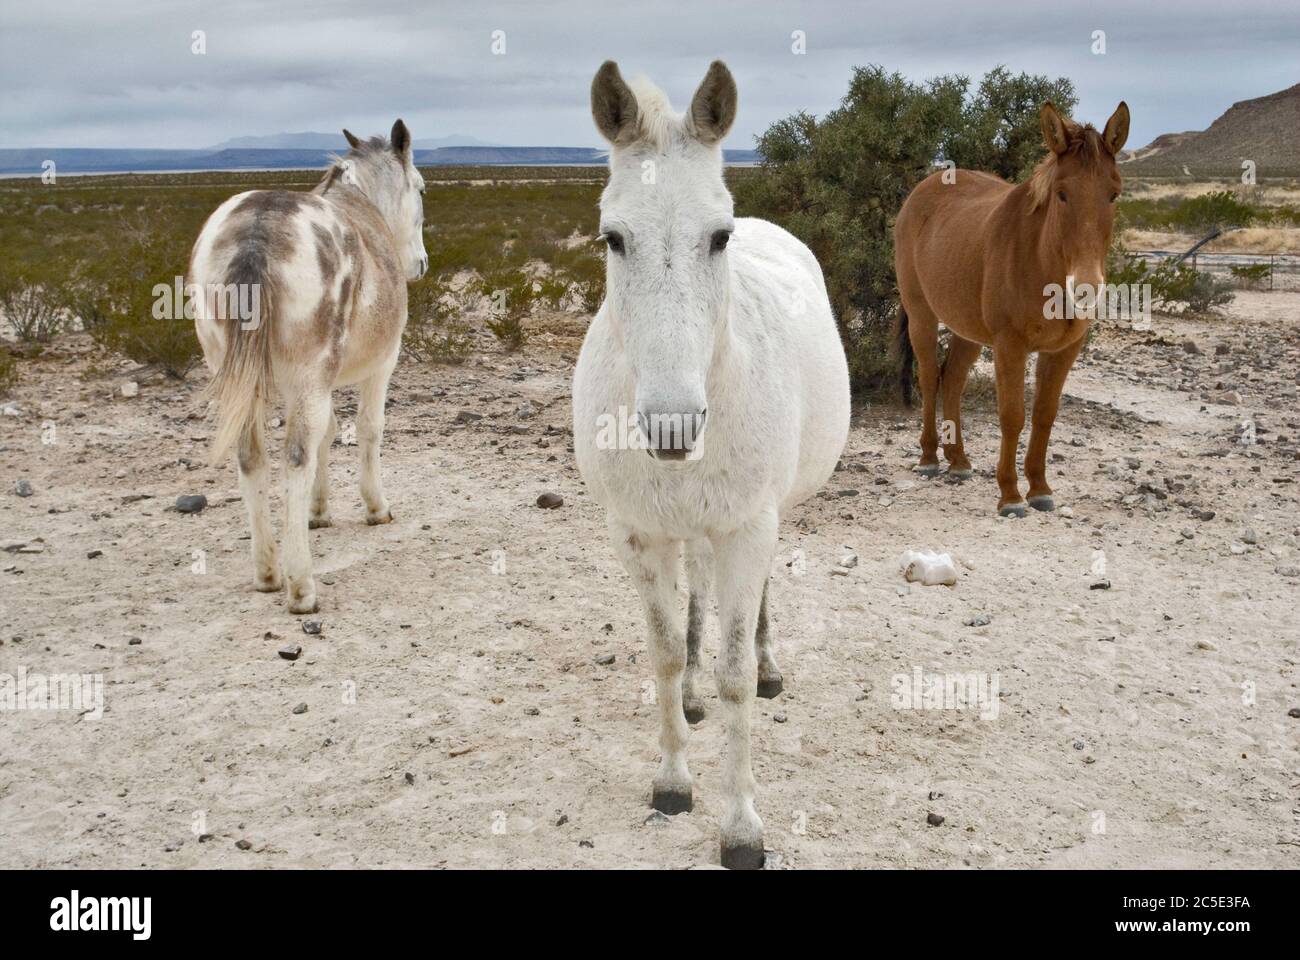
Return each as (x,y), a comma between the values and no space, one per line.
(1085,183)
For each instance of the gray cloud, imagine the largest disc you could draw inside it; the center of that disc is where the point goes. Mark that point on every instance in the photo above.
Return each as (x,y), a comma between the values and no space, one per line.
(87,73)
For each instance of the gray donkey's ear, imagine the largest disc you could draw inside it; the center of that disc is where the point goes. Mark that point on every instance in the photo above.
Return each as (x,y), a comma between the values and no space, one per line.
(613,105)
(713,109)
(353,142)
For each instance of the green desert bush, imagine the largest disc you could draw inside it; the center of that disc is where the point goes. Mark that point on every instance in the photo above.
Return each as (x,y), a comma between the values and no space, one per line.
(1252,274)
(1177,288)
(434,331)
(32,303)
(137,323)
(8,372)
(511,296)
(1219,208)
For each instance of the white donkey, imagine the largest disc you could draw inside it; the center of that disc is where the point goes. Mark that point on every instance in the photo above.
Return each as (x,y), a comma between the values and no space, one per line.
(328,270)
(717,344)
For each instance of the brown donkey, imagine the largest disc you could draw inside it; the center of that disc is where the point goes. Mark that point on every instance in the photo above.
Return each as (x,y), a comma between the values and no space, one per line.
(983,257)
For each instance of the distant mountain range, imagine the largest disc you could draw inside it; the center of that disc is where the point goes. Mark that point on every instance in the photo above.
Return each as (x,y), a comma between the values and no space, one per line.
(29,162)
(333,141)
(1265,130)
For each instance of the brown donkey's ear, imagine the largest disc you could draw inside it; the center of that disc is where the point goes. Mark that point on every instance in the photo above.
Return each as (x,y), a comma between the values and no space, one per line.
(1054,133)
(713,109)
(1116,131)
(400,138)
(613,105)
(353,142)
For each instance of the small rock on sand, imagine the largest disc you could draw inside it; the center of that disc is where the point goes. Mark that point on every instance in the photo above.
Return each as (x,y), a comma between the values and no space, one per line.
(549,501)
(191,503)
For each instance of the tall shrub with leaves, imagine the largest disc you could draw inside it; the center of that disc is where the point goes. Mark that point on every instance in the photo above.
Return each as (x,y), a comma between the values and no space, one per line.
(837,183)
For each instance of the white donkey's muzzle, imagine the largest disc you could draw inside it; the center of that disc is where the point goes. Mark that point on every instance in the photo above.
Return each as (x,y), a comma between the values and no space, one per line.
(672,435)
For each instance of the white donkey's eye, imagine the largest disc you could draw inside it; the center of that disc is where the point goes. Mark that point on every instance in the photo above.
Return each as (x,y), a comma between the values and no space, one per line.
(719,241)
(614,240)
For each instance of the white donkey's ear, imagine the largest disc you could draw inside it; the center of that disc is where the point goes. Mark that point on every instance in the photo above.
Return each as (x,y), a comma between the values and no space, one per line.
(613,105)
(353,142)
(713,108)
(400,138)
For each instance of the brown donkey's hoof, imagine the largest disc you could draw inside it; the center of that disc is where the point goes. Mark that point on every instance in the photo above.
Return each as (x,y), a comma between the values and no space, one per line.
(770,686)
(693,710)
(1043,502)
(926,469)
(965,473)
(743,857)
(672,802)
(1012,510)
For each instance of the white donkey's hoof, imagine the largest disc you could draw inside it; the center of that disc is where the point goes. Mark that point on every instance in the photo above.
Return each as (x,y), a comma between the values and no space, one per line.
(672,800)
(693,710)
(1043,502)
(375,518)
(770,685)
(743,856)
(316,523)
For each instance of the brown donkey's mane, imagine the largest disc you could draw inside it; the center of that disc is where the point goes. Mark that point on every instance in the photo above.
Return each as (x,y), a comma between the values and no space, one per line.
(1085,142)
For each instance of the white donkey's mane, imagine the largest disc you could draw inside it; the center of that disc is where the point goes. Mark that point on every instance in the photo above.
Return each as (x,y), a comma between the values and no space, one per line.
(658,124)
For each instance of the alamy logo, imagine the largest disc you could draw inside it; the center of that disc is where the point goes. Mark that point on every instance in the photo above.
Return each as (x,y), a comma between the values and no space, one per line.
(946,691)
(221,301)
(659,431)
(83,692)
(102,913)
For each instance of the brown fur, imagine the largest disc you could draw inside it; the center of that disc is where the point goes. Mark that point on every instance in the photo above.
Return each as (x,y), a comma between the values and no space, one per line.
(975,255)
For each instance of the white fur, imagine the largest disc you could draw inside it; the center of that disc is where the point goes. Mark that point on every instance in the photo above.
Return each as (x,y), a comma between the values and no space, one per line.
(748,333)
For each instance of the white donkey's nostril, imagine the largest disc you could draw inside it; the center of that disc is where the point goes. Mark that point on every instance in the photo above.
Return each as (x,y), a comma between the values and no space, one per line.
(671,436)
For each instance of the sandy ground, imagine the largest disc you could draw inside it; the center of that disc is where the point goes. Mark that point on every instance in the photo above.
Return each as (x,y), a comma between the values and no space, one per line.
(456,715)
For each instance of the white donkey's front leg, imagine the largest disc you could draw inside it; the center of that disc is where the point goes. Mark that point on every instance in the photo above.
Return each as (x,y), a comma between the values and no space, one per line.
(653,566)
(743,561)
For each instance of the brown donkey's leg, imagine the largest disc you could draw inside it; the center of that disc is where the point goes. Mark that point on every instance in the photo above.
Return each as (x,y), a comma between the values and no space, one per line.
(923,331)
(1009,365)
(962,354)
(1049,379)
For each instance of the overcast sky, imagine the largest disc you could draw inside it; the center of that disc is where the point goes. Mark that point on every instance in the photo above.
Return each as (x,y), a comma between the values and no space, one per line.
(119,73)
